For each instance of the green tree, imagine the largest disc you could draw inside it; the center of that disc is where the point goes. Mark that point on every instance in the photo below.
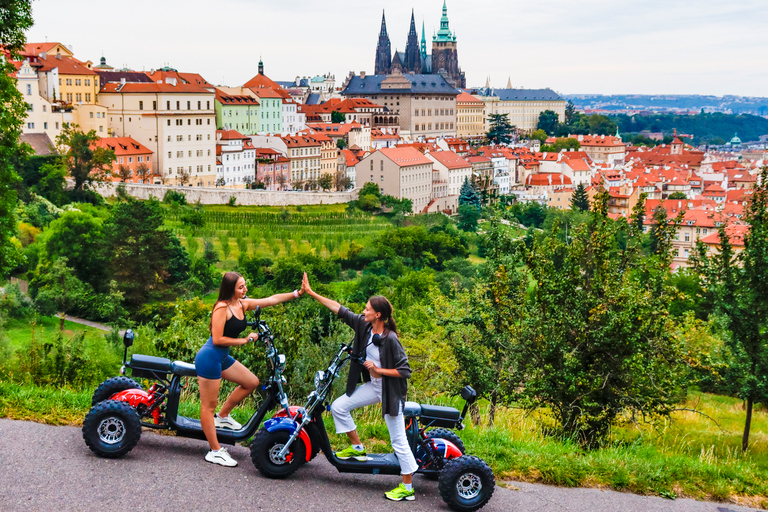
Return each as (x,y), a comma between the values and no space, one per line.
(338,117)
(341,143)
(56,289)
(468,195)
(140,250)
(16,16)
(593,342)
(580,199)
(548,120)
(468,217)
(677,195)
(539,135)
(562,143)
(570,113)
(326,181)
(500,130)
(741,293)
(77,237)
(88,164)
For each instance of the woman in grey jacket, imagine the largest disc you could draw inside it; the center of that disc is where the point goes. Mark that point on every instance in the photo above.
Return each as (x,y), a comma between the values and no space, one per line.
(385,377)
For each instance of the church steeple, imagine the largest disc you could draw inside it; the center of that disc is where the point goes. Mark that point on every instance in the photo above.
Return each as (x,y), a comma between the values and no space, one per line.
(444,34)
(423,44)
(412,62)
(383,50)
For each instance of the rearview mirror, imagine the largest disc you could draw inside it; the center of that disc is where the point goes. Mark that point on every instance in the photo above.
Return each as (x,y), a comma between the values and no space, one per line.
(469,394)
(128,338)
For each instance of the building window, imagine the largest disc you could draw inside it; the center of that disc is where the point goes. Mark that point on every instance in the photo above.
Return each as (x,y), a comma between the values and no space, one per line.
(31,126)
(178,105)
(169,122)
(29,90)
(141,105)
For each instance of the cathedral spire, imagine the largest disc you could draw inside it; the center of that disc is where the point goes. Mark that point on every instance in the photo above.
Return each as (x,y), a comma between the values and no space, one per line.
(412,62)
(383,50)
(423,44)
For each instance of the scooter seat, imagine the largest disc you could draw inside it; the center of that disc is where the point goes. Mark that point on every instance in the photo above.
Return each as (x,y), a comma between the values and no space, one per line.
(439,416)
(158,364)
(183,369)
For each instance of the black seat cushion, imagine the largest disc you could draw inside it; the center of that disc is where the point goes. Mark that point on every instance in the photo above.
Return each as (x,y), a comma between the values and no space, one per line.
(158,364)
(183,369)
(439,416)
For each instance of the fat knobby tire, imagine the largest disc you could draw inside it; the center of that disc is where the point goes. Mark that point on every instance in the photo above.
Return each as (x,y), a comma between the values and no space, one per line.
(456,471)
(111,386)
(265,441)
(125,428)
(448,435)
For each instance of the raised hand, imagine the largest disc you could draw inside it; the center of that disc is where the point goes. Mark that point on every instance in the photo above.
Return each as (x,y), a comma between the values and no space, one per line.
(305,288)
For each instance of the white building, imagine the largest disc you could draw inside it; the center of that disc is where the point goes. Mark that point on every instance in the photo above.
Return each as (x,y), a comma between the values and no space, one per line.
(235,159)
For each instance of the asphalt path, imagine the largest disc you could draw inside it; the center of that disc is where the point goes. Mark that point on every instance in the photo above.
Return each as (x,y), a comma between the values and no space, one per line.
(47,468)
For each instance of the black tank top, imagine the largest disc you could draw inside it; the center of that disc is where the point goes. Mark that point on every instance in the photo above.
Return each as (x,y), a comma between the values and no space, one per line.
(234,326)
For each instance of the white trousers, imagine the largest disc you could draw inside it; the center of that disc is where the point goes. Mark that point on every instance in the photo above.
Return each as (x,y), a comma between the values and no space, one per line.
(369,394)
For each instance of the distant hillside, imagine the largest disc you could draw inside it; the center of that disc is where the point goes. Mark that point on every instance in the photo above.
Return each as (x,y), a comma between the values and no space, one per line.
(672,102)
(714,128)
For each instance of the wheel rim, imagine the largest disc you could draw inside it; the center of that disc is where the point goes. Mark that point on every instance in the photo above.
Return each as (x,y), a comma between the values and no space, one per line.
(111,430)
(469,486)
(274,456)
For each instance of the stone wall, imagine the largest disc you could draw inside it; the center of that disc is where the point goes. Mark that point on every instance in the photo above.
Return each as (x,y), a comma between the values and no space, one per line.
(222,195)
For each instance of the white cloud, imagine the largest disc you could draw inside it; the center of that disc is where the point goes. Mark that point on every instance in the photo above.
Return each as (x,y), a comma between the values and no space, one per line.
(599,46)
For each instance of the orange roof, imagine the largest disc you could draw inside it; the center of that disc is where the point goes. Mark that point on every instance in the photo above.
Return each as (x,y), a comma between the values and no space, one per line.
(261,82)
(450,160)
(232,99)
(405,156)
(465,97)
(736,234)
(547,179)
(578,165)
(598,140)
(65,65)
(123,146)
(159,75)
(339,129)
(230,135)
(301,140)
(149,88)
(266,93)
(350,159)
(377,133)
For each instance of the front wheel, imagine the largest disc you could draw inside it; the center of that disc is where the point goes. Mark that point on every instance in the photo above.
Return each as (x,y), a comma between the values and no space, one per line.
(111,428)
(265,450)
(466,483)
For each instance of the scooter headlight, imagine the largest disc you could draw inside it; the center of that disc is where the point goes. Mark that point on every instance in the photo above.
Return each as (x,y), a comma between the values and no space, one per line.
(319,378)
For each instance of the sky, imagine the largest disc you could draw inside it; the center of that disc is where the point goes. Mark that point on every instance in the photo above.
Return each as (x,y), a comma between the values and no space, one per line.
(591,46)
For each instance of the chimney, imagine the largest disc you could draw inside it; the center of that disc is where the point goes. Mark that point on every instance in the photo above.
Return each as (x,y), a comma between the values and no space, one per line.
(362,74)
(122,81)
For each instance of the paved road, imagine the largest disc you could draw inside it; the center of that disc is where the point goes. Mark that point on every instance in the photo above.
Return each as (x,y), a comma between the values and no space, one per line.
(45,468)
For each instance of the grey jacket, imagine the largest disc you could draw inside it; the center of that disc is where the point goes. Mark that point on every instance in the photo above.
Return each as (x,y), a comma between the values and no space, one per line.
(393,389)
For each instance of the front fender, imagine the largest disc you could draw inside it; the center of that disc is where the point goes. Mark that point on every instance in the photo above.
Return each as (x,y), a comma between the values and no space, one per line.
(446,449)
(134,397)
(285,423)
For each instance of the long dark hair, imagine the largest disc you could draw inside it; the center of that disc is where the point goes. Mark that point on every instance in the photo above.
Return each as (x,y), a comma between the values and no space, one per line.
(380,304)
(226,291)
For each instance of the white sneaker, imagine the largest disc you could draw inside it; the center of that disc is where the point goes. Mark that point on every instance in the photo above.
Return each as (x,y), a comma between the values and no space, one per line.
(221,457)
(226,422)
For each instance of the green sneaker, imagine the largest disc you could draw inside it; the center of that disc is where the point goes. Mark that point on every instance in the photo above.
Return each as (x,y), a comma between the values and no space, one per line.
(400,493)
(351,453)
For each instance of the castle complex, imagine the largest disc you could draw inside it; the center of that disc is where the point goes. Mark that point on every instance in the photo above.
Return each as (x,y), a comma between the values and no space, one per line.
(443,61)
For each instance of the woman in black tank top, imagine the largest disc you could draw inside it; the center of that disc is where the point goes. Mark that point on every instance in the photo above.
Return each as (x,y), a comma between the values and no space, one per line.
(214,363)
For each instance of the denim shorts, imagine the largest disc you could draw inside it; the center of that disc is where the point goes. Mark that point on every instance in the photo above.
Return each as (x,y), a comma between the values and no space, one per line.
(211,360)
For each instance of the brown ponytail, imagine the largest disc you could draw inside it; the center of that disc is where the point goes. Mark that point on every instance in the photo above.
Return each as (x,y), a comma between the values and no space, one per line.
(226,292)
(380,304)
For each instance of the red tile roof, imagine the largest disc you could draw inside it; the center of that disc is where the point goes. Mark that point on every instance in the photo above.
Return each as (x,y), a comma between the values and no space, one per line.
(135,87)
(466,98)
(451,160)
(123,146)
(405,156)
(547,179)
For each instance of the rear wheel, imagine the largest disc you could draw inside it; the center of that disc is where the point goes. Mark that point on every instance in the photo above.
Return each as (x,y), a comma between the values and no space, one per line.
(466,483)
(265,450)
(448,435)
(111,428)
(111,386)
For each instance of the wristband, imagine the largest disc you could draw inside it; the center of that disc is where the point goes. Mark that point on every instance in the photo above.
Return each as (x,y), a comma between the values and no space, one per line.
(295,294)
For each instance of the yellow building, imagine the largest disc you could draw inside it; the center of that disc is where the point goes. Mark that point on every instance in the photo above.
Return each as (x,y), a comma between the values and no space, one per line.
(522,106)
(470,116)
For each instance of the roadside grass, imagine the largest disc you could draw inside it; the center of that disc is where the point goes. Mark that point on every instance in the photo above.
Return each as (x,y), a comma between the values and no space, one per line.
(688,456)
(18,332)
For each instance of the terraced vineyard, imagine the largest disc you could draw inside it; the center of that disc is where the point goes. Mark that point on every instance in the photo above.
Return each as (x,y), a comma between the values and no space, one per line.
(274,233)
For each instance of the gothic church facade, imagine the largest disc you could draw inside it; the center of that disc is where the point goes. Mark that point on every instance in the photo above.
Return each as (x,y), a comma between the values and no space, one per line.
(443,61)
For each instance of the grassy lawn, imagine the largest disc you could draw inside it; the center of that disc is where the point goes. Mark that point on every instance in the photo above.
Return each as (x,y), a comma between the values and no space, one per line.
(18,332)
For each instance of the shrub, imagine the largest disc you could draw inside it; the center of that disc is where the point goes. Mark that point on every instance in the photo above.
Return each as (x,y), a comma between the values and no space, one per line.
(174,196)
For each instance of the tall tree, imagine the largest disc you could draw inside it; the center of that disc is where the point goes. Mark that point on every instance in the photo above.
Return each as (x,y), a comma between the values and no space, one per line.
(548,121)
(87,163)
(16,16)
(500,130)
(77,236)
(338,117)
(580,199)
(742,295)
(570,112)
(468,195)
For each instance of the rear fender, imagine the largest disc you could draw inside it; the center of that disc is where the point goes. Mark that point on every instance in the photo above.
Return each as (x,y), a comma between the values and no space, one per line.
(446,449)
(285,423)
(134,397)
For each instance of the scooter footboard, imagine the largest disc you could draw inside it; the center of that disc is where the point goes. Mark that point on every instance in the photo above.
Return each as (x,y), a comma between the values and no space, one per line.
(285,423)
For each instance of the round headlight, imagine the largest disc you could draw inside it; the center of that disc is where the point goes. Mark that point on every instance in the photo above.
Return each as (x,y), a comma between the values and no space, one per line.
(319,377)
